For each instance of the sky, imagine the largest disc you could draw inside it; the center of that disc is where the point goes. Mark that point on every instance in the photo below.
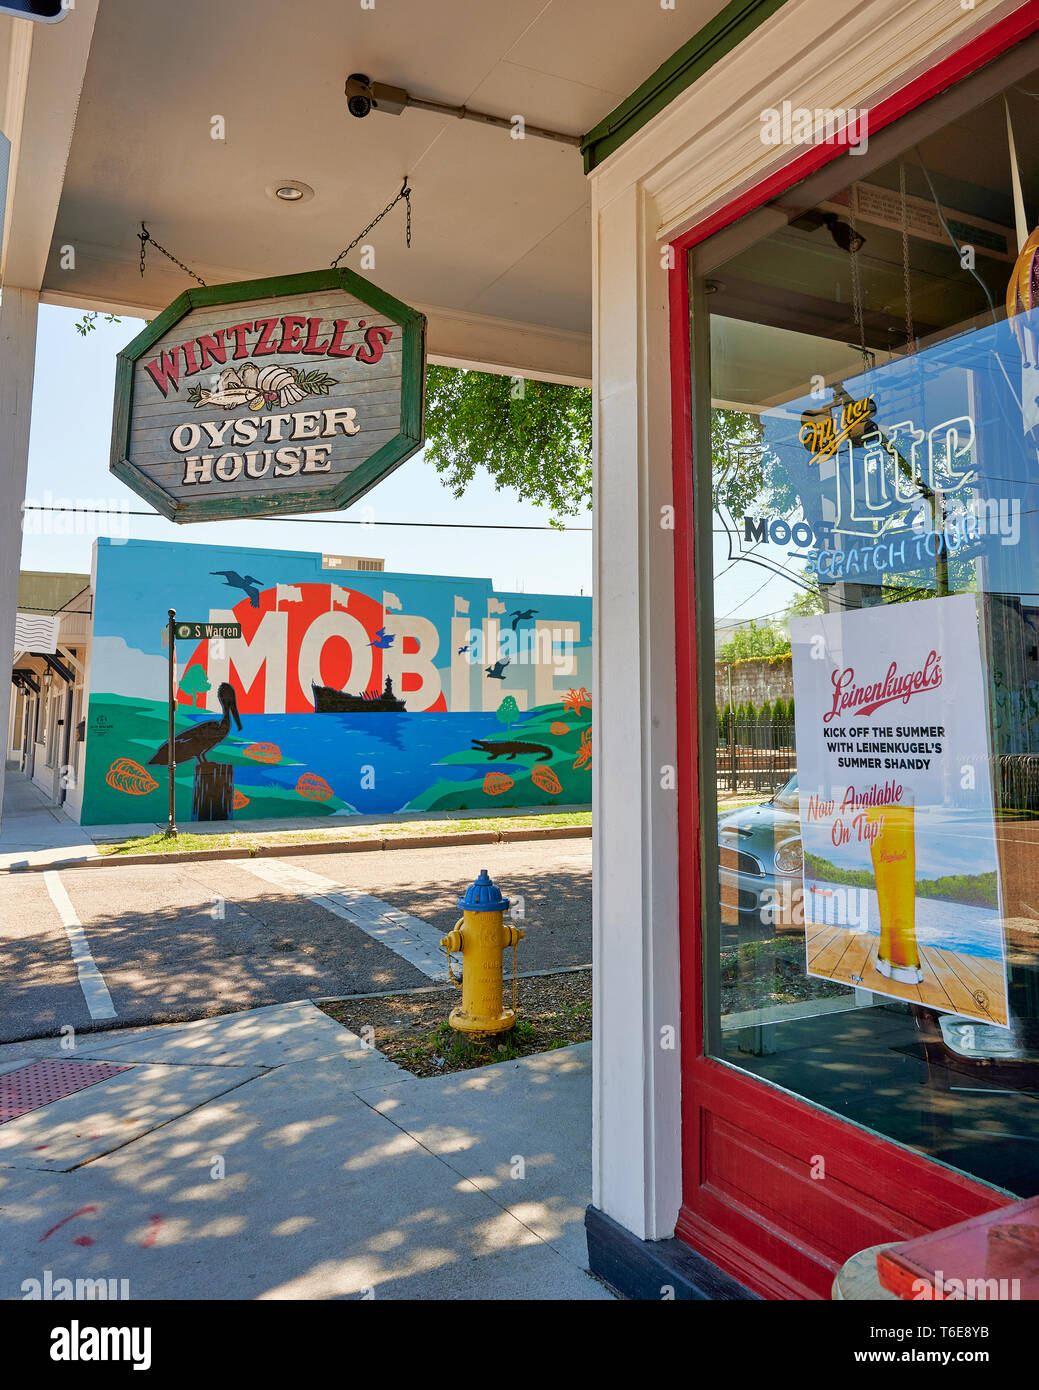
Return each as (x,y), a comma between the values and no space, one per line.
(68,466)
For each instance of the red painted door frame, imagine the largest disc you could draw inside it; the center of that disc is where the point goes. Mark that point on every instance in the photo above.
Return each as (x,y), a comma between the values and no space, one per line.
(749,1202)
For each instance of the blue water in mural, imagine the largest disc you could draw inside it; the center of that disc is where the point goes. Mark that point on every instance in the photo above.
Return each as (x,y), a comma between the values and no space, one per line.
(402,749)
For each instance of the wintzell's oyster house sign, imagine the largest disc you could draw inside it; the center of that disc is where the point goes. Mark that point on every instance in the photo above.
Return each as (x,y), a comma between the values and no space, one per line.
(294,394)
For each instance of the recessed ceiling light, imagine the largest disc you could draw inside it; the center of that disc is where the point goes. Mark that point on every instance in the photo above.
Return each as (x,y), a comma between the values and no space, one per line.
(290,191)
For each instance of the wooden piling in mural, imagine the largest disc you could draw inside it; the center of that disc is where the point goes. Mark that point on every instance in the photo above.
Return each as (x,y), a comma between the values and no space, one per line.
(213,793)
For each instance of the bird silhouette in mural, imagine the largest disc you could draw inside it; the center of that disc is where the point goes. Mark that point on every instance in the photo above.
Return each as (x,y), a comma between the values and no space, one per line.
(246,583)
(520,615)
(202,738)
(383,639)
(463,649)
(497,671)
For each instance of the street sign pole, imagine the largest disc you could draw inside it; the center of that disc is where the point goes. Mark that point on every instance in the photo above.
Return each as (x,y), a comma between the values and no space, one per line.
(171,828)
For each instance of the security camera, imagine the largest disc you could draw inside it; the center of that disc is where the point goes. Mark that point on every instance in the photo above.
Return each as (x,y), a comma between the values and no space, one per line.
(362,94)
(358,94)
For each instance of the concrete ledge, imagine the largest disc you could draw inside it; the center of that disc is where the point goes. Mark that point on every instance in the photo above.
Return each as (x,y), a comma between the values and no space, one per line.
(642,1269)
(547,832)
(471,837)
(466,837)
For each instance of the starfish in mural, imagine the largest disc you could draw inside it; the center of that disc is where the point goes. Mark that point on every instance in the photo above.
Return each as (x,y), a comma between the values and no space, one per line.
(577,700)
(584,753)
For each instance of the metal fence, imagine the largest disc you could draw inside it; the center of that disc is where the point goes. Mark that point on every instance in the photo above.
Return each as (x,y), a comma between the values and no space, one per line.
(1017,786)
(755,755)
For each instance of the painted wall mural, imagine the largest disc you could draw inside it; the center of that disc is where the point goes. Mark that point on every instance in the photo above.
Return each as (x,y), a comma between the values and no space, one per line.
(349,692)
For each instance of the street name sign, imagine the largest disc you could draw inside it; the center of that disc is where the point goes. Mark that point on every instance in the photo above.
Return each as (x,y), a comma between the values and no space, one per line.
(200,632)
(287,395)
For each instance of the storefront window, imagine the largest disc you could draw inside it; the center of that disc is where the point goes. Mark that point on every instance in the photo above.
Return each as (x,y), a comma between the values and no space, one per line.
(868,452)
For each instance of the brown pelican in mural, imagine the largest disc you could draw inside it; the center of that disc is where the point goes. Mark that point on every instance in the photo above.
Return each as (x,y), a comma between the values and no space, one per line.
(202,738)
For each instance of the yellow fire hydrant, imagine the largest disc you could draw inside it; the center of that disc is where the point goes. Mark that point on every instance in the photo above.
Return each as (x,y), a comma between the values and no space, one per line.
(481,936)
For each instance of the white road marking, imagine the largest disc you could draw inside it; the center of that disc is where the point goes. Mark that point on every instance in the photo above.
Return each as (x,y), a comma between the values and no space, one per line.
(416,941)
(91,981)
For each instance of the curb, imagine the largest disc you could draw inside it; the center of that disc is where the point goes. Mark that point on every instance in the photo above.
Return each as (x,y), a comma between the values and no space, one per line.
(469,837)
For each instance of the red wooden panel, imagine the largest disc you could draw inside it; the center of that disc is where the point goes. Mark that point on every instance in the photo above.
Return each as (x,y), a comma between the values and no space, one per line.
(767,1180)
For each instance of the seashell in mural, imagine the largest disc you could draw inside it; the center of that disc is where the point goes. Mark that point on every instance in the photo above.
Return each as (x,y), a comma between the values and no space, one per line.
(240,800)
(263,752)
(496,782)
(127,776)
(557,727)
(545,778)
(314,788)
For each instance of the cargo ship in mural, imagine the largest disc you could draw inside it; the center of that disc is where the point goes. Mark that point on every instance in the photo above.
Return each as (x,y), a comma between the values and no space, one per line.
(329,701)
(360,692)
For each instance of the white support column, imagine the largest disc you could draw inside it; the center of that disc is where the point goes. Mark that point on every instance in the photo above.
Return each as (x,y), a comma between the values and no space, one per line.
(18,309)
(637,1082)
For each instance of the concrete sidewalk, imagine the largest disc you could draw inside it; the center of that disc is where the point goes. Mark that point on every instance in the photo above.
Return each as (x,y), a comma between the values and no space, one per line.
(270,1155)
(32,831)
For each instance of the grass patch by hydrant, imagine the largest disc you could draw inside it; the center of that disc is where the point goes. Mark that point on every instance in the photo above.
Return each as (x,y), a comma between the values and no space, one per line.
(413,1031)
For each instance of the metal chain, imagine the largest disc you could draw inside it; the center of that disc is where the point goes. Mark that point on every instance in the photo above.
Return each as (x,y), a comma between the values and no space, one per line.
(856,283)
(450,962)
(404,193)
(907,289)
(144,236)
(450,972)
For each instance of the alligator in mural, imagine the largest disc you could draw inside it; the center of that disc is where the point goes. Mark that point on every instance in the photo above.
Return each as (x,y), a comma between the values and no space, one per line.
(327,700)
(498,749)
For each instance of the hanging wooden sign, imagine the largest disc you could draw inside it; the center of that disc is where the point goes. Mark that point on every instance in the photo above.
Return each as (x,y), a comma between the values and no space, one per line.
(294,394)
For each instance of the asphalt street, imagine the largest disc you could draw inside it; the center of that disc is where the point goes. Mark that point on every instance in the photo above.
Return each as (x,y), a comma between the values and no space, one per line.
(165,943)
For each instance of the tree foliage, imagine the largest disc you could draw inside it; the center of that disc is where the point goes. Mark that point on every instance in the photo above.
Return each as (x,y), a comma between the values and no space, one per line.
(88,322)
(533,437)
(508,711)
(750,642)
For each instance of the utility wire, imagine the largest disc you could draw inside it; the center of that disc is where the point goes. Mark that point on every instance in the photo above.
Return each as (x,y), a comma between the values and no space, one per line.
(320,521)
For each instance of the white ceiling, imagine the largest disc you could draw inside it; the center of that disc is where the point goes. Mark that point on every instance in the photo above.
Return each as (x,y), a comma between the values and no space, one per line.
(500,226)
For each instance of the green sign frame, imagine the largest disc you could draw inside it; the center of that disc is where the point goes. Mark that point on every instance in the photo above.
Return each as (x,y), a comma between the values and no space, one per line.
(323,495)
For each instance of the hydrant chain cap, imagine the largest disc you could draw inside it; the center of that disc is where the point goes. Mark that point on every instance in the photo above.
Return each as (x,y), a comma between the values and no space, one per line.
(483,896)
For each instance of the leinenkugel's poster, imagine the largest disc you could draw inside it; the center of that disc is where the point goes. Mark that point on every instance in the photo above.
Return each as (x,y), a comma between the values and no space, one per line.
(901,875)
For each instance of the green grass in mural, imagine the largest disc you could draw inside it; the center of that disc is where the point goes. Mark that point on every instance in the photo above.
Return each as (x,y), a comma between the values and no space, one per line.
(123,731)
(542,725)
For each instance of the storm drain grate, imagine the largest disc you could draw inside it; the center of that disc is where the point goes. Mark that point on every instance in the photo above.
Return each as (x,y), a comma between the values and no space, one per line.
(38,1084)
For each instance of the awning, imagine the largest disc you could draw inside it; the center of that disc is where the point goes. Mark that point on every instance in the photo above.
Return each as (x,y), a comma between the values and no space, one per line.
(37,633)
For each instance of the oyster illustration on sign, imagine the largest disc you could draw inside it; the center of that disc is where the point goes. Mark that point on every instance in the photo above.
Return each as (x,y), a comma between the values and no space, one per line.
(258,387)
